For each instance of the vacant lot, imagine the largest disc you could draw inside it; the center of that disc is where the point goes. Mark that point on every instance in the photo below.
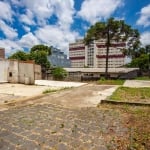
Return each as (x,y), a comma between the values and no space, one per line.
(69,119)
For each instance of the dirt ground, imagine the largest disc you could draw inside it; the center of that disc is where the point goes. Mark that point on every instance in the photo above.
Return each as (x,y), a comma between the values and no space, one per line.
(88,95)
(78,94)
(82,96)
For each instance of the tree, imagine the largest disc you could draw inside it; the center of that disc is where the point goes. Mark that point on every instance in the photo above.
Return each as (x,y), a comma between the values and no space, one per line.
(19,55)
(147,47)
(141,62)
(41,47)
(114,30)
(59,73)
(39,53)
(142,59)
(40,57)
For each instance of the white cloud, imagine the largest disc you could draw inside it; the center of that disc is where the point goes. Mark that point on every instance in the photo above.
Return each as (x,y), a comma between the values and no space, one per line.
(64,10)
(27,18)
(16,2)
(28,40)
(144,16)
(5,11)
(26,28)
(10,46)
(55,36)
(37,13)
(145,38)
(9,32)
(95,10)
(41,9)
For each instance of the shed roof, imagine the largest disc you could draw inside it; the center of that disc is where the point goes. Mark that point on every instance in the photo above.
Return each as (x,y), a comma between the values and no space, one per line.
(101,70)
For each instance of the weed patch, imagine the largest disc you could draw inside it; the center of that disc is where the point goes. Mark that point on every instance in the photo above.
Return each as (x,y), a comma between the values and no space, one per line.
(111,82)
(131,94)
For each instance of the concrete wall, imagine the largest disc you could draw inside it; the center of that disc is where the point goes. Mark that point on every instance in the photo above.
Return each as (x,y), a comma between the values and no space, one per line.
(26,72)
(3,70)
(77,76)
(12,75)
(37,72)
(129,75)
(15,71)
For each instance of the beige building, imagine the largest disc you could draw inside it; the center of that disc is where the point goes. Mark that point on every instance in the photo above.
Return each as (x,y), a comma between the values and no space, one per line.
(15,71)
(94,54)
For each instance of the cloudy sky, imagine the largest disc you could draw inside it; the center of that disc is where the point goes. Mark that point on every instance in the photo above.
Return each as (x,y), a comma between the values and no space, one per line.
(24,23)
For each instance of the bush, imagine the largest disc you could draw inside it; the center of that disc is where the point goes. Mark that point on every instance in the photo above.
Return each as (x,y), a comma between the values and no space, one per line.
(59,73)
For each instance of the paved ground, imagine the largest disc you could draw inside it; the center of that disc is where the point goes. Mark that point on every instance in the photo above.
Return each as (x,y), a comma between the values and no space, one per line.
(65,120)
(42,127)
(58,83)
(86,95)
(136,83)
(10,92)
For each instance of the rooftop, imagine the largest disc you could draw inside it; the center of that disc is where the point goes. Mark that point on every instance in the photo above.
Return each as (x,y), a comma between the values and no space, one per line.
(102,70)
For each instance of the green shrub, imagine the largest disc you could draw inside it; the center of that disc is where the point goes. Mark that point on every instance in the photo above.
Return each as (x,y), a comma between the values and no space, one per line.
(59,73)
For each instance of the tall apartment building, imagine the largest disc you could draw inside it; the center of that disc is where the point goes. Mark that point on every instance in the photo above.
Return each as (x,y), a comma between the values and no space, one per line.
(58,58)
(2,52)
(94,54)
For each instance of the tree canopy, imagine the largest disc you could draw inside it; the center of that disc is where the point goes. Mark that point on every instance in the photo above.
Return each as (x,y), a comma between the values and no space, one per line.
(40,57)
(41,47)
(142,59)
(38,53)
(19,55)
(114,30)
(117,30)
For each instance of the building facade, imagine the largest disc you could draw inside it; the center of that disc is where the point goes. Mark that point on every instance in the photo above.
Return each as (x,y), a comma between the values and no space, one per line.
(80,74)
(58,58)
(93,55)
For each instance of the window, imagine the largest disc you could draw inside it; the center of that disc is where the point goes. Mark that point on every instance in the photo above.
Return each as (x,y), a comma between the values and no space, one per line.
(10,74)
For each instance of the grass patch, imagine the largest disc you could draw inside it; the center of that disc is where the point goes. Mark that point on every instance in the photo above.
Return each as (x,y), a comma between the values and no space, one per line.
(55,90)
(111,82)
(143,78)
(131,94)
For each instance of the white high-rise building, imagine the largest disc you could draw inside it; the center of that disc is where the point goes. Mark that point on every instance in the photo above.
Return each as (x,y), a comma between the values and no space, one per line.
(93,55)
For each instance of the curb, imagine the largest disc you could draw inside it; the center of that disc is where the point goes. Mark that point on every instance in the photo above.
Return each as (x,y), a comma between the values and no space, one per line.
(21,100)
(124,103)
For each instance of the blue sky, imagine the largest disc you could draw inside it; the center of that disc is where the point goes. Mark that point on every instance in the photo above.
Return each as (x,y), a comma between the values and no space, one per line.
(24,23)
